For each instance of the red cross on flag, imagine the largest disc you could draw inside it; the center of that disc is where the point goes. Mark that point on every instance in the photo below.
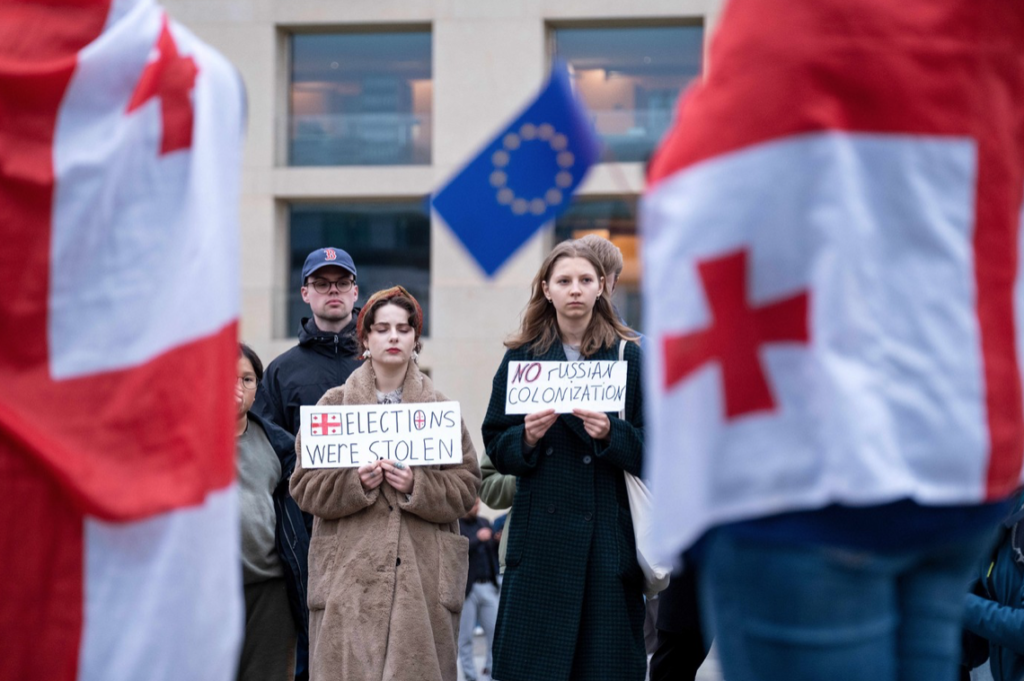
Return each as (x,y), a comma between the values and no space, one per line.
(120,149)
(325,424)
(832,270)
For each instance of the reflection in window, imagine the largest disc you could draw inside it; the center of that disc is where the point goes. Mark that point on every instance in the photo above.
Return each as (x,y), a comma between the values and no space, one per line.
(360,99)
(389,243)
(614,219)
(630,79)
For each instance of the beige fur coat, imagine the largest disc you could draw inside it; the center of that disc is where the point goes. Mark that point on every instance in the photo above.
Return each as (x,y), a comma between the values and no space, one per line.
(387,574)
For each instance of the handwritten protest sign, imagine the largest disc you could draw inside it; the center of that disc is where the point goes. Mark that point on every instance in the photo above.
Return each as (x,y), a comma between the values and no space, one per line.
(564,386)
(349,436)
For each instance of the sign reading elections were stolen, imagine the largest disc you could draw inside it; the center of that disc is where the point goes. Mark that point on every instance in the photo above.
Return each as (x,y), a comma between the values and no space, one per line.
(349,436)
(564,386)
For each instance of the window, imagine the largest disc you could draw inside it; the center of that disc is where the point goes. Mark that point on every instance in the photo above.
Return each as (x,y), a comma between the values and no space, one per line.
(630,79)
(614,219)
(389,242)
(360,99)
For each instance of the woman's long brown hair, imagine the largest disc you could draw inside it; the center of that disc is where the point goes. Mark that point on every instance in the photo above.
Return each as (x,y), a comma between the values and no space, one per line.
(539,326)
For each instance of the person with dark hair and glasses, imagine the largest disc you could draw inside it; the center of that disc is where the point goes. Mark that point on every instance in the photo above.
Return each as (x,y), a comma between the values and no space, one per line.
(275,542)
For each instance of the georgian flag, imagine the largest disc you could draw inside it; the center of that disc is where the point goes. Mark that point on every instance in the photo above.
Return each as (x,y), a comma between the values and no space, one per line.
(325,424)
(120,151)
(832,264)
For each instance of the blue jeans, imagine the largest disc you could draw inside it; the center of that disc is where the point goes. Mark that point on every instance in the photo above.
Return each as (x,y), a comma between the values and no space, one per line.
(481,606)
(812,612)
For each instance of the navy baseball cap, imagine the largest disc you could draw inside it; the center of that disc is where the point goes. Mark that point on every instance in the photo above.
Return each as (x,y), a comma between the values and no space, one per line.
(323,257)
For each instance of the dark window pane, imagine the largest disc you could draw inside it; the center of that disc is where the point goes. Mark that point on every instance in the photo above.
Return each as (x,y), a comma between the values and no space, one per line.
(630,79)
(389,242)
(360,99)
(614,219)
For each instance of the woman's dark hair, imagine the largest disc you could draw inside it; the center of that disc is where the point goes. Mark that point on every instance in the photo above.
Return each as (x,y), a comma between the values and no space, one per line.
(254,359)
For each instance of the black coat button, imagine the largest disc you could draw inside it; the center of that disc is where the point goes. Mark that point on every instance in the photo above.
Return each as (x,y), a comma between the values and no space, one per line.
(587,458)
(398,561)
(588,516)
(551,509)
(549,451)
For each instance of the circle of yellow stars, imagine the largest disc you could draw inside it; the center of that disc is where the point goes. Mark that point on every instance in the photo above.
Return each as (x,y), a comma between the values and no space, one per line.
(558,142)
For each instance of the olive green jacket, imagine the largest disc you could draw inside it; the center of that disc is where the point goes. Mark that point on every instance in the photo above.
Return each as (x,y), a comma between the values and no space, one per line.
(497,491)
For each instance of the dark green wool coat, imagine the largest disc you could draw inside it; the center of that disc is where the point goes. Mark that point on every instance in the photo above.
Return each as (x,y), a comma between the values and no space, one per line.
(571,600)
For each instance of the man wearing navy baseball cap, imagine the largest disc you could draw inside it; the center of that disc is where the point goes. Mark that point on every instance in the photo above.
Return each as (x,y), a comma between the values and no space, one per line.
(326,354)
(327,351)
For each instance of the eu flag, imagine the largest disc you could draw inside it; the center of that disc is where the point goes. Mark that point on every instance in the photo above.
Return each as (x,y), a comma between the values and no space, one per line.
(523,178)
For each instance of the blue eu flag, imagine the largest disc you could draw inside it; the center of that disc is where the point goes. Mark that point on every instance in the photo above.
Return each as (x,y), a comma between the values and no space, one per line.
(523,178)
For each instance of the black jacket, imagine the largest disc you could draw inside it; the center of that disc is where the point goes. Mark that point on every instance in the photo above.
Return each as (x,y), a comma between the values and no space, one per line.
(291,537)
(994,610)
(483,555)
(303,374)
(573,527)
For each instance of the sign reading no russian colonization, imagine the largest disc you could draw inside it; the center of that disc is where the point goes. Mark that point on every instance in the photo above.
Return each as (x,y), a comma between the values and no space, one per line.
(597,385)
(349,436)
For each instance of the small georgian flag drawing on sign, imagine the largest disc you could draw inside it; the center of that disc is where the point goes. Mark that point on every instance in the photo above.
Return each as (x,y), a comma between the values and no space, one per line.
(325,424)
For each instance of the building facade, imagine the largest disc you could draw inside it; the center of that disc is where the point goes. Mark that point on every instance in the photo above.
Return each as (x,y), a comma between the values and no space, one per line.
(358,110)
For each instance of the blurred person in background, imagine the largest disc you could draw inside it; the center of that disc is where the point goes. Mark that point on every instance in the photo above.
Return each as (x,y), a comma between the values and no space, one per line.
(610,256)
(832,237)
(274,539)
(481,589)
(498,491)
(994,608)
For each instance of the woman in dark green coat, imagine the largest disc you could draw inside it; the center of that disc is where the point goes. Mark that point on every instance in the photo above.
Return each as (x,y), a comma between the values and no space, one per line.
(571,600)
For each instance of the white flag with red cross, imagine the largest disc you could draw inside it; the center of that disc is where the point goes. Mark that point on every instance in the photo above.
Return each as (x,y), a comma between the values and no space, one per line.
(832,264)
(325,424)
(119,170)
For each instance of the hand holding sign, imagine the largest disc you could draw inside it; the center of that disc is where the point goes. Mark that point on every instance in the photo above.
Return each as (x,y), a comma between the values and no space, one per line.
(537,425)
(370,476)
(398,475)
(595,423)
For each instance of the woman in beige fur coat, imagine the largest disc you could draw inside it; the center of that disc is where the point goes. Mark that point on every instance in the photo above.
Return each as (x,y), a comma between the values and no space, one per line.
(387,565)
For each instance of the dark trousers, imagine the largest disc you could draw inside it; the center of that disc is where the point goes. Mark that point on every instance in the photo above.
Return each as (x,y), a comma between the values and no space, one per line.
(681,648)
(268,651)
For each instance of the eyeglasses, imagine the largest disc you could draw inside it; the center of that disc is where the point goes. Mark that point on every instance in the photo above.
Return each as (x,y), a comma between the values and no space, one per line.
(324,286)
(248,382)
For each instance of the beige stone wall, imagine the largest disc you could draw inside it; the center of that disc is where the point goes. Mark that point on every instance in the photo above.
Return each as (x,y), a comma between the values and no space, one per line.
(489,58)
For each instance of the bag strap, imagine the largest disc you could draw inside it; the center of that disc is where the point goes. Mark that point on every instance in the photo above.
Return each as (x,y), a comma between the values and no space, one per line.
(622,357)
